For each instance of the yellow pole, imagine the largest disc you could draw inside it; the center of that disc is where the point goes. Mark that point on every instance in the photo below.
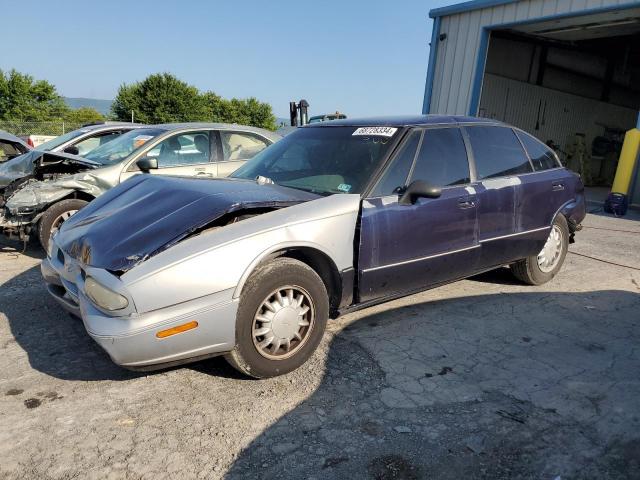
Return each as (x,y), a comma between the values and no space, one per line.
(627,162)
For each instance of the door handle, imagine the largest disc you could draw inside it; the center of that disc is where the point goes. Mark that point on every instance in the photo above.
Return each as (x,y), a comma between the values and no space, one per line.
(557,186)
(467,202)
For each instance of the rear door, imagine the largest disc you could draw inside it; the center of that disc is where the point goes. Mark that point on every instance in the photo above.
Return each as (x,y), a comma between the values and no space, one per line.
(506,230)
(411,247)
(544,191)
(237,148)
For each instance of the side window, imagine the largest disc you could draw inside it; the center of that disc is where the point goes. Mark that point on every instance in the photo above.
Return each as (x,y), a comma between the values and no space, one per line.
(541,156)
(88,144)
(396,174)
(190,148)
(497,152)
(442,159)
(241,145)
(7,151)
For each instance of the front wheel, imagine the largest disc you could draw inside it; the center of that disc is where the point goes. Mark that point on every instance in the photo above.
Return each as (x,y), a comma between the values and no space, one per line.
(55,216)
(281,318)
(542,267)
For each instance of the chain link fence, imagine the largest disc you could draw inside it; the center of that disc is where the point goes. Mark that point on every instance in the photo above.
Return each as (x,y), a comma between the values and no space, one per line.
(53,128)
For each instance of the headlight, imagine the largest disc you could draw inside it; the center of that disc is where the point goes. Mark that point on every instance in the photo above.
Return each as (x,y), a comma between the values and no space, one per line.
(103,297)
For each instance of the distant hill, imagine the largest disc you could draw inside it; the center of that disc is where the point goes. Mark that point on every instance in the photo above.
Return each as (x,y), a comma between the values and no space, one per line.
(103,106)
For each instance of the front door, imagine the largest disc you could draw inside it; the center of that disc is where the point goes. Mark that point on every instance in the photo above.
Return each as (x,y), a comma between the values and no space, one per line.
(411,247)
(190,154)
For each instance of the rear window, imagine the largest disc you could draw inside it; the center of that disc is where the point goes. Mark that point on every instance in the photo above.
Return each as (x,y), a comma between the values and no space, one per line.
(541,156)
(497,152)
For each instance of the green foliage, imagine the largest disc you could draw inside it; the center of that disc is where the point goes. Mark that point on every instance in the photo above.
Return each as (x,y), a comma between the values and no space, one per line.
(34,106)
(162,98)
(83,115)
(24,99)
(249,111)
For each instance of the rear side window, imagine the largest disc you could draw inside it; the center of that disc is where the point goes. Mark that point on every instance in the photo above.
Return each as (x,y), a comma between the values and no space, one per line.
(497,152)
(442,159)
(541,156)
(397,173)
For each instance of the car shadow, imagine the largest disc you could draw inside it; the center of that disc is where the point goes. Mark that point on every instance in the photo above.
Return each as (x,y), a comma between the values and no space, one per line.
(501,276)
(509,385)
(31,248)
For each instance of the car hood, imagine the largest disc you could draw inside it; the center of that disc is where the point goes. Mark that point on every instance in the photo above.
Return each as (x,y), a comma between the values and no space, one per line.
(27,163)
(149,213)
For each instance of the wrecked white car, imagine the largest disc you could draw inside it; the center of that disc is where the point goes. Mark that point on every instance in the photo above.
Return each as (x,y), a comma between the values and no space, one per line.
(60,184)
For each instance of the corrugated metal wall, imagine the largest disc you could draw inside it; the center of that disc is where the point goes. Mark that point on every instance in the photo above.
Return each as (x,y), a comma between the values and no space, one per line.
(562,115)
(457,55)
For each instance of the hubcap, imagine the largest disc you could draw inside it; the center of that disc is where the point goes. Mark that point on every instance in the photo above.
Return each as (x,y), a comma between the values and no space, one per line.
(60,219)
(550,254)
(283,322)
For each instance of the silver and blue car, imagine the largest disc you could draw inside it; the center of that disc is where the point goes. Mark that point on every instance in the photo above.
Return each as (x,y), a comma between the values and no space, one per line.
(335,217)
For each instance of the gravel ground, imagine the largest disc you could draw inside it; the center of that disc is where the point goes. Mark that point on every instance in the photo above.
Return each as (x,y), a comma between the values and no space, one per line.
(484,378)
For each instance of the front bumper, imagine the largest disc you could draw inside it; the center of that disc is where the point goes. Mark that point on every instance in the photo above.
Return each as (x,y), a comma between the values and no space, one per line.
(131,340)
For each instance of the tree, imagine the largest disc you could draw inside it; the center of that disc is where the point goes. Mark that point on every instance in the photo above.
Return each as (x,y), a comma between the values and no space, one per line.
(249,111)
(83,115)
(160,98)
(24,99)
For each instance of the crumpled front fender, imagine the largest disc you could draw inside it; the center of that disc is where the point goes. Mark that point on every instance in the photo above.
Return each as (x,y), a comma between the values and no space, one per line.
(36,196)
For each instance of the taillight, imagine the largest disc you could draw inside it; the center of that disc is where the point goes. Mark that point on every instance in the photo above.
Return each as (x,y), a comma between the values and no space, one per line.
(30,142)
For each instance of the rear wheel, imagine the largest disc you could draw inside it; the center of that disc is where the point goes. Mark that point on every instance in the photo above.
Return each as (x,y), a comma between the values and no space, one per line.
(281,319)
(55,216)
(542,267)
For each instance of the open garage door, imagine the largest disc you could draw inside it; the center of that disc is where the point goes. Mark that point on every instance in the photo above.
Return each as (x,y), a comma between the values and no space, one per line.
(573,82)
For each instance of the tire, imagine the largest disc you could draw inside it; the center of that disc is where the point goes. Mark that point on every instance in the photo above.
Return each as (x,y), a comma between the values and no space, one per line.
(53,217)
(529,270)
(279,275)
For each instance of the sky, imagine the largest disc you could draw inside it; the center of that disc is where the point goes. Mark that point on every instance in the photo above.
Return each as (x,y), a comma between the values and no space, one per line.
(363,58)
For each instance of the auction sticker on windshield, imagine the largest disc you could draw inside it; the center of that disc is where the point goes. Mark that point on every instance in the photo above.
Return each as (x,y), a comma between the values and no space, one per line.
(379,131)
(141,140)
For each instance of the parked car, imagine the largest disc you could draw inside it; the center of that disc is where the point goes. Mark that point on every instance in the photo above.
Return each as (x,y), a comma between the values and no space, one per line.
(77,142)
(63,183)
(34,140)
(11,146)
(335,217)
(327,117)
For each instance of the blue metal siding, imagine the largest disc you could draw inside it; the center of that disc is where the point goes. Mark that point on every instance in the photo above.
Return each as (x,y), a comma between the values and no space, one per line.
(454,81)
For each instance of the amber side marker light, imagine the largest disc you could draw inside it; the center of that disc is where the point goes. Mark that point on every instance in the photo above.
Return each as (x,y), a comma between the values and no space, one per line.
(179,329)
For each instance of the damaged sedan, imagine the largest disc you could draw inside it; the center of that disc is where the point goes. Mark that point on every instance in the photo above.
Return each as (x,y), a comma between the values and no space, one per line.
(57,185)
(335,217)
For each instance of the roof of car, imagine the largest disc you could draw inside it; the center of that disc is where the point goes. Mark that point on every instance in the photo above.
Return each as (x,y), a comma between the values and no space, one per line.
(215,126)
(109,125)
(404,121)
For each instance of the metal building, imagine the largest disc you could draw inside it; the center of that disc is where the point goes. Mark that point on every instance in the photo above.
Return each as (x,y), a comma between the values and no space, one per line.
(567,71)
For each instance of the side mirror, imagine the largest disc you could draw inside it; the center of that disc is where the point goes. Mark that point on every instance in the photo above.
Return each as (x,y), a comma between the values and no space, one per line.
(419,189)
(72,149)
(147,163)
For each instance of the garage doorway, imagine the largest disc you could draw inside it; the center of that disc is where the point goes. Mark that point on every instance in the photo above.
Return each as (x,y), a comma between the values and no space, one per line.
(573,82)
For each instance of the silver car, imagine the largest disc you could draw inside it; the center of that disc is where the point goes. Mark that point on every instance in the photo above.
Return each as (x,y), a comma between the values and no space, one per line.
(63,183)
(336,216)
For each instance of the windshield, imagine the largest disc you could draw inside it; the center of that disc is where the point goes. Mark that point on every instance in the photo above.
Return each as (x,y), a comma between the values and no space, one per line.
(118,149)
(322,160)
(56,142)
